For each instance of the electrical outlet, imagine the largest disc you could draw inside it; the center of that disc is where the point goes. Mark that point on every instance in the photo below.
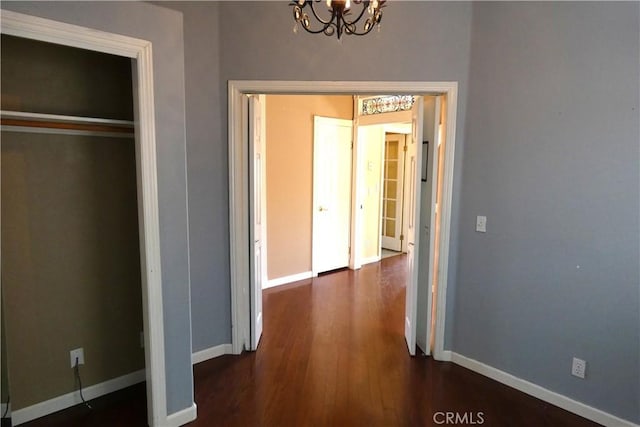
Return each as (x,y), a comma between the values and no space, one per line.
(77,353)
(578,367)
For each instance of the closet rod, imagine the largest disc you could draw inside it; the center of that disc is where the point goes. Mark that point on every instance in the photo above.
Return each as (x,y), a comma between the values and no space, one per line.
(18,121)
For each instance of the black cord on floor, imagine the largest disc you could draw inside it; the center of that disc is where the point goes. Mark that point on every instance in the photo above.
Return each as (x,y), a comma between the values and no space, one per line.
(77,371)
(6,409)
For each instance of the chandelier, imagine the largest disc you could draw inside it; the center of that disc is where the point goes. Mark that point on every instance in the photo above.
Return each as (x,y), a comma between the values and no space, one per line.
(339,16)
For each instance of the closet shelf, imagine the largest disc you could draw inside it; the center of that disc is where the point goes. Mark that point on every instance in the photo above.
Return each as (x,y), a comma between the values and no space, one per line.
(19,121)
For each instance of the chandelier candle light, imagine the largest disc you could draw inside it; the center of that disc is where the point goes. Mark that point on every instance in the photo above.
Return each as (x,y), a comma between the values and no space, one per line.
(339,18)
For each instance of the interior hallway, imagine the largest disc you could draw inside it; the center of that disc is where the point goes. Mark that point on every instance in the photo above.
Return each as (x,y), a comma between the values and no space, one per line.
(333,354)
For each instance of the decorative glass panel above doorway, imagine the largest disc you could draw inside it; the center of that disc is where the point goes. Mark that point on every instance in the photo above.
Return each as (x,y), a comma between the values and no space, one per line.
(387,104)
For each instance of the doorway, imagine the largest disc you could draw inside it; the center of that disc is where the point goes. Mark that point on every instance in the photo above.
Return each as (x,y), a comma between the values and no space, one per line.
(292,153)
(242,283)
(382,148)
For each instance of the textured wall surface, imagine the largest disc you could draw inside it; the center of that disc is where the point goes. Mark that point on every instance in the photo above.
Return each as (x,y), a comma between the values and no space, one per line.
(207,172)
(71,261)
(551,158)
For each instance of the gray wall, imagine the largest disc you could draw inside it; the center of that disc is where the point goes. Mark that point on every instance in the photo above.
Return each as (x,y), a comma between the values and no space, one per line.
(208,176)
(551,158)
(164,29)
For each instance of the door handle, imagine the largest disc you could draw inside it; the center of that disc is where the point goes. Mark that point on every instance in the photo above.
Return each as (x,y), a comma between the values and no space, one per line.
(323,209)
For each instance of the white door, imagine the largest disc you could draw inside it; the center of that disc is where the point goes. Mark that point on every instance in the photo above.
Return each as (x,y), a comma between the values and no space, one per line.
(428,219)
(413,162)
(331,193)
(393,192)
(256,214)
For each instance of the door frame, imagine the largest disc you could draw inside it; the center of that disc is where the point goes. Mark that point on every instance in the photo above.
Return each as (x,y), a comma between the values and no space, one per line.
(36,28)
(387,121)
(239,189)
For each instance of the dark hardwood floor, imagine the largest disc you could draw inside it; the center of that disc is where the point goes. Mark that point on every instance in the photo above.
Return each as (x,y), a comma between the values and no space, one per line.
(333,354)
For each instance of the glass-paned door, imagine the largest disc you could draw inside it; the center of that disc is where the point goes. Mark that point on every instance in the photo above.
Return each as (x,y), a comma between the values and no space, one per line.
(392,202)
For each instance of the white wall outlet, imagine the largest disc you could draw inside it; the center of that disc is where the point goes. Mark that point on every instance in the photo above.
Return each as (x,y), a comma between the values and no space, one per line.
(481,224)
(578,367)
(77,353)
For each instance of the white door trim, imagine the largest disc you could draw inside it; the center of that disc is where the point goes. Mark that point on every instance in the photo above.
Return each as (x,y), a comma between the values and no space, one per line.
(31,27)
(355,257)
(238,187)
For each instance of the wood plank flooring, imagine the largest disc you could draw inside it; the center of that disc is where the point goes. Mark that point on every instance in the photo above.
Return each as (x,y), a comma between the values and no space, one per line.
(333,354)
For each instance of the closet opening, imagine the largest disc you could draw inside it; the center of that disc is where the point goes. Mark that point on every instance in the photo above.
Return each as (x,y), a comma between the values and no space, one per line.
(72,270)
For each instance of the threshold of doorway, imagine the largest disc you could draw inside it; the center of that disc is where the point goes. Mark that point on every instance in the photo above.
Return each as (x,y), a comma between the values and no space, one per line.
(336,270)
(386,253)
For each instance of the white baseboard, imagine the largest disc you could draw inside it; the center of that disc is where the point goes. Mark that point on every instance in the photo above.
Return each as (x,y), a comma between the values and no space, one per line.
(542,393)
(445,356)
(371,259)
(183,417)
(65,401)
(210,353)
(287,279)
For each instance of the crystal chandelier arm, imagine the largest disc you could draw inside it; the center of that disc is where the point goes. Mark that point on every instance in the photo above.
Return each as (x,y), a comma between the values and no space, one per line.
(353,21)
(325,24)
(367,31)
(322,21)
(321,30)
(370,22)
(301,17)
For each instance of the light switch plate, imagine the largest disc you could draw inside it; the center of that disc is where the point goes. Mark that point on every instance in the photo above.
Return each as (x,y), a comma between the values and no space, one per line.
(481,224)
